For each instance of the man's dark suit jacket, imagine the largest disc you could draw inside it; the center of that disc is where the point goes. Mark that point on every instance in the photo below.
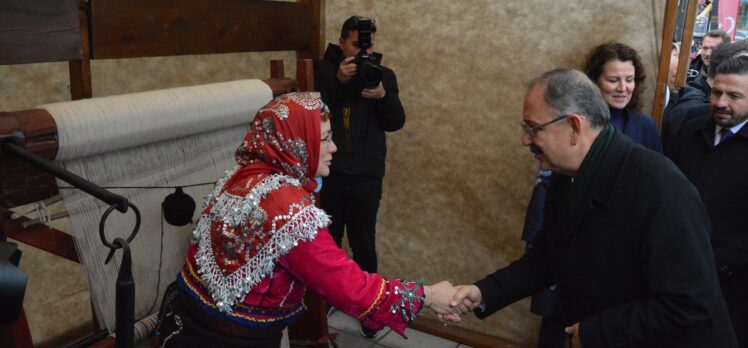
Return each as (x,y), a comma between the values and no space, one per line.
(720,174)
(633,265)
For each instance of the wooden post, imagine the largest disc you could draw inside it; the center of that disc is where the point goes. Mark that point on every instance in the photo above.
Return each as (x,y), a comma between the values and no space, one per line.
(311,327)
(80,70)
(683,58)
(276,69)
(668,29)
(305,74)
(313,52)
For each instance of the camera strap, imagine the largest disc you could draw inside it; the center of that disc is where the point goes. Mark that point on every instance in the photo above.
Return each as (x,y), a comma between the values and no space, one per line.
(347,125)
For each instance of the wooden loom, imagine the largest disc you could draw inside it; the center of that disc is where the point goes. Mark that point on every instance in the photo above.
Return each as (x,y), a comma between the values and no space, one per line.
(78,31)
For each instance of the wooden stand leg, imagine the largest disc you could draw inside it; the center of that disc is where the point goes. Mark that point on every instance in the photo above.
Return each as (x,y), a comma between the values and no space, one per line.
(311,330)
(16,335)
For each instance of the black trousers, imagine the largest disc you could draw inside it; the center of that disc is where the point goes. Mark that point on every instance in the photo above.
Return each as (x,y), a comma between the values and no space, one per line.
(353,203)
(552,334)
(734,290)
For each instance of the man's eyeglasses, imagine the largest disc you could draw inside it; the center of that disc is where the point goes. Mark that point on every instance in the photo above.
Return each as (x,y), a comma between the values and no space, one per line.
(532,131)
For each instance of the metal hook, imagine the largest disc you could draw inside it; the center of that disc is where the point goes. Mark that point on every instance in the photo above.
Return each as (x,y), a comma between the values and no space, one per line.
(102,225)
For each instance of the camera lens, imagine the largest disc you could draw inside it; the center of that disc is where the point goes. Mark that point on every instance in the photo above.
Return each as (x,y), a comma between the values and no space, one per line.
(371,75)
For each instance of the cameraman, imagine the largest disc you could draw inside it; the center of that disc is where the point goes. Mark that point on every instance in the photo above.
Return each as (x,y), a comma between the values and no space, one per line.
(361,116)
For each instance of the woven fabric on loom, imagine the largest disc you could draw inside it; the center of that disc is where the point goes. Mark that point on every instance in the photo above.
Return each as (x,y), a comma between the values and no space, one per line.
(172,137)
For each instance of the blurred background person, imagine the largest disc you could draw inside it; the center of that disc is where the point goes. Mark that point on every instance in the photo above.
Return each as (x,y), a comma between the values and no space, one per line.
(619,73)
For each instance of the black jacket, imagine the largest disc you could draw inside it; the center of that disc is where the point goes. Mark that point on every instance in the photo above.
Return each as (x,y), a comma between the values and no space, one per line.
(362,149)
(720,174)
(697,68)
(695,95)
(633,265)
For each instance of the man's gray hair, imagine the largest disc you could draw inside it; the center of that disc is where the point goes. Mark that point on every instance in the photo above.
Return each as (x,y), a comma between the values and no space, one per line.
(570,91)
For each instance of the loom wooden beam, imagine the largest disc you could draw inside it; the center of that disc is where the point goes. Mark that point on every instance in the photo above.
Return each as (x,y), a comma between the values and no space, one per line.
(281,86)
(40,236)
(20,183)
(146,28)
(276,69)
(80,70)
(317,35)
(305,74)
(39,31)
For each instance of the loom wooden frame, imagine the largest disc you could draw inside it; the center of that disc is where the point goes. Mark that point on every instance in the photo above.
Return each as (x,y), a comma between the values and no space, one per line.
(78,31)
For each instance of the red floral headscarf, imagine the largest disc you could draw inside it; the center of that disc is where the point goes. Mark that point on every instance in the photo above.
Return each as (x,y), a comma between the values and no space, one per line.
(284,138)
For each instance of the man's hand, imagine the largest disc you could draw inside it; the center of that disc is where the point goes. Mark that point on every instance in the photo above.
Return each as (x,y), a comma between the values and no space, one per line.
(346,70)
(466,299)
(574,332)
(374,93)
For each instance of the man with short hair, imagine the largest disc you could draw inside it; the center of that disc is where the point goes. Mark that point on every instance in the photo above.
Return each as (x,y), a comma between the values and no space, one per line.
(694,102)
(362,114)
(699,66)
(625,235)
(712,151)
(699,85)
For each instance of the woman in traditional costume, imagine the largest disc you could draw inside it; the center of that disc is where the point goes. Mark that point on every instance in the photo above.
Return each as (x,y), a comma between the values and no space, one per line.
(261,241)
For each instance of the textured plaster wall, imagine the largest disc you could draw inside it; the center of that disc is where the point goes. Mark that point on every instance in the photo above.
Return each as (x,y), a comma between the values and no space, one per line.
(457,177)
(26,86)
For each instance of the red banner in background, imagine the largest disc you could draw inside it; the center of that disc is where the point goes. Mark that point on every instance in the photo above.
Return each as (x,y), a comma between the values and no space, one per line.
(728,16)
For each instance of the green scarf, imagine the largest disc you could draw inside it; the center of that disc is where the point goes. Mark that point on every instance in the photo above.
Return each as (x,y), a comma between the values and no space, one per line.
(589,166)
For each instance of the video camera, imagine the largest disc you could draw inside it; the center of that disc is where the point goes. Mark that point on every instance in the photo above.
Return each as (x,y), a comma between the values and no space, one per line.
(366,64)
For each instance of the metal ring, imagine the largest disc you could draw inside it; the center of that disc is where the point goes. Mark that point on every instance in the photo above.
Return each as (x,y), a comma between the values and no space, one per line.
(102,225)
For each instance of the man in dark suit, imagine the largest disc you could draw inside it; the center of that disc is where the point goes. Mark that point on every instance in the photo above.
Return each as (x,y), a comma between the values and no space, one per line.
(692,99)
(713,153)
(625,235)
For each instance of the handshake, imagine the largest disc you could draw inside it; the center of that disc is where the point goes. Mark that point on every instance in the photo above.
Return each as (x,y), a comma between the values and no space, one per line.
(450,302)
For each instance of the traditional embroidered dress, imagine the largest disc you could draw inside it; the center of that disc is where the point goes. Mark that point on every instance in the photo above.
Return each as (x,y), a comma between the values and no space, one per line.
(261,241)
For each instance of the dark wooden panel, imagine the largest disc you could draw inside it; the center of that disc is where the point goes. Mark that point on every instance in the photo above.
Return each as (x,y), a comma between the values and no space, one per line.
(282,86)
(20,183)
(39,31)
(317,35)
(146,28)
(16,335)
(305,74)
